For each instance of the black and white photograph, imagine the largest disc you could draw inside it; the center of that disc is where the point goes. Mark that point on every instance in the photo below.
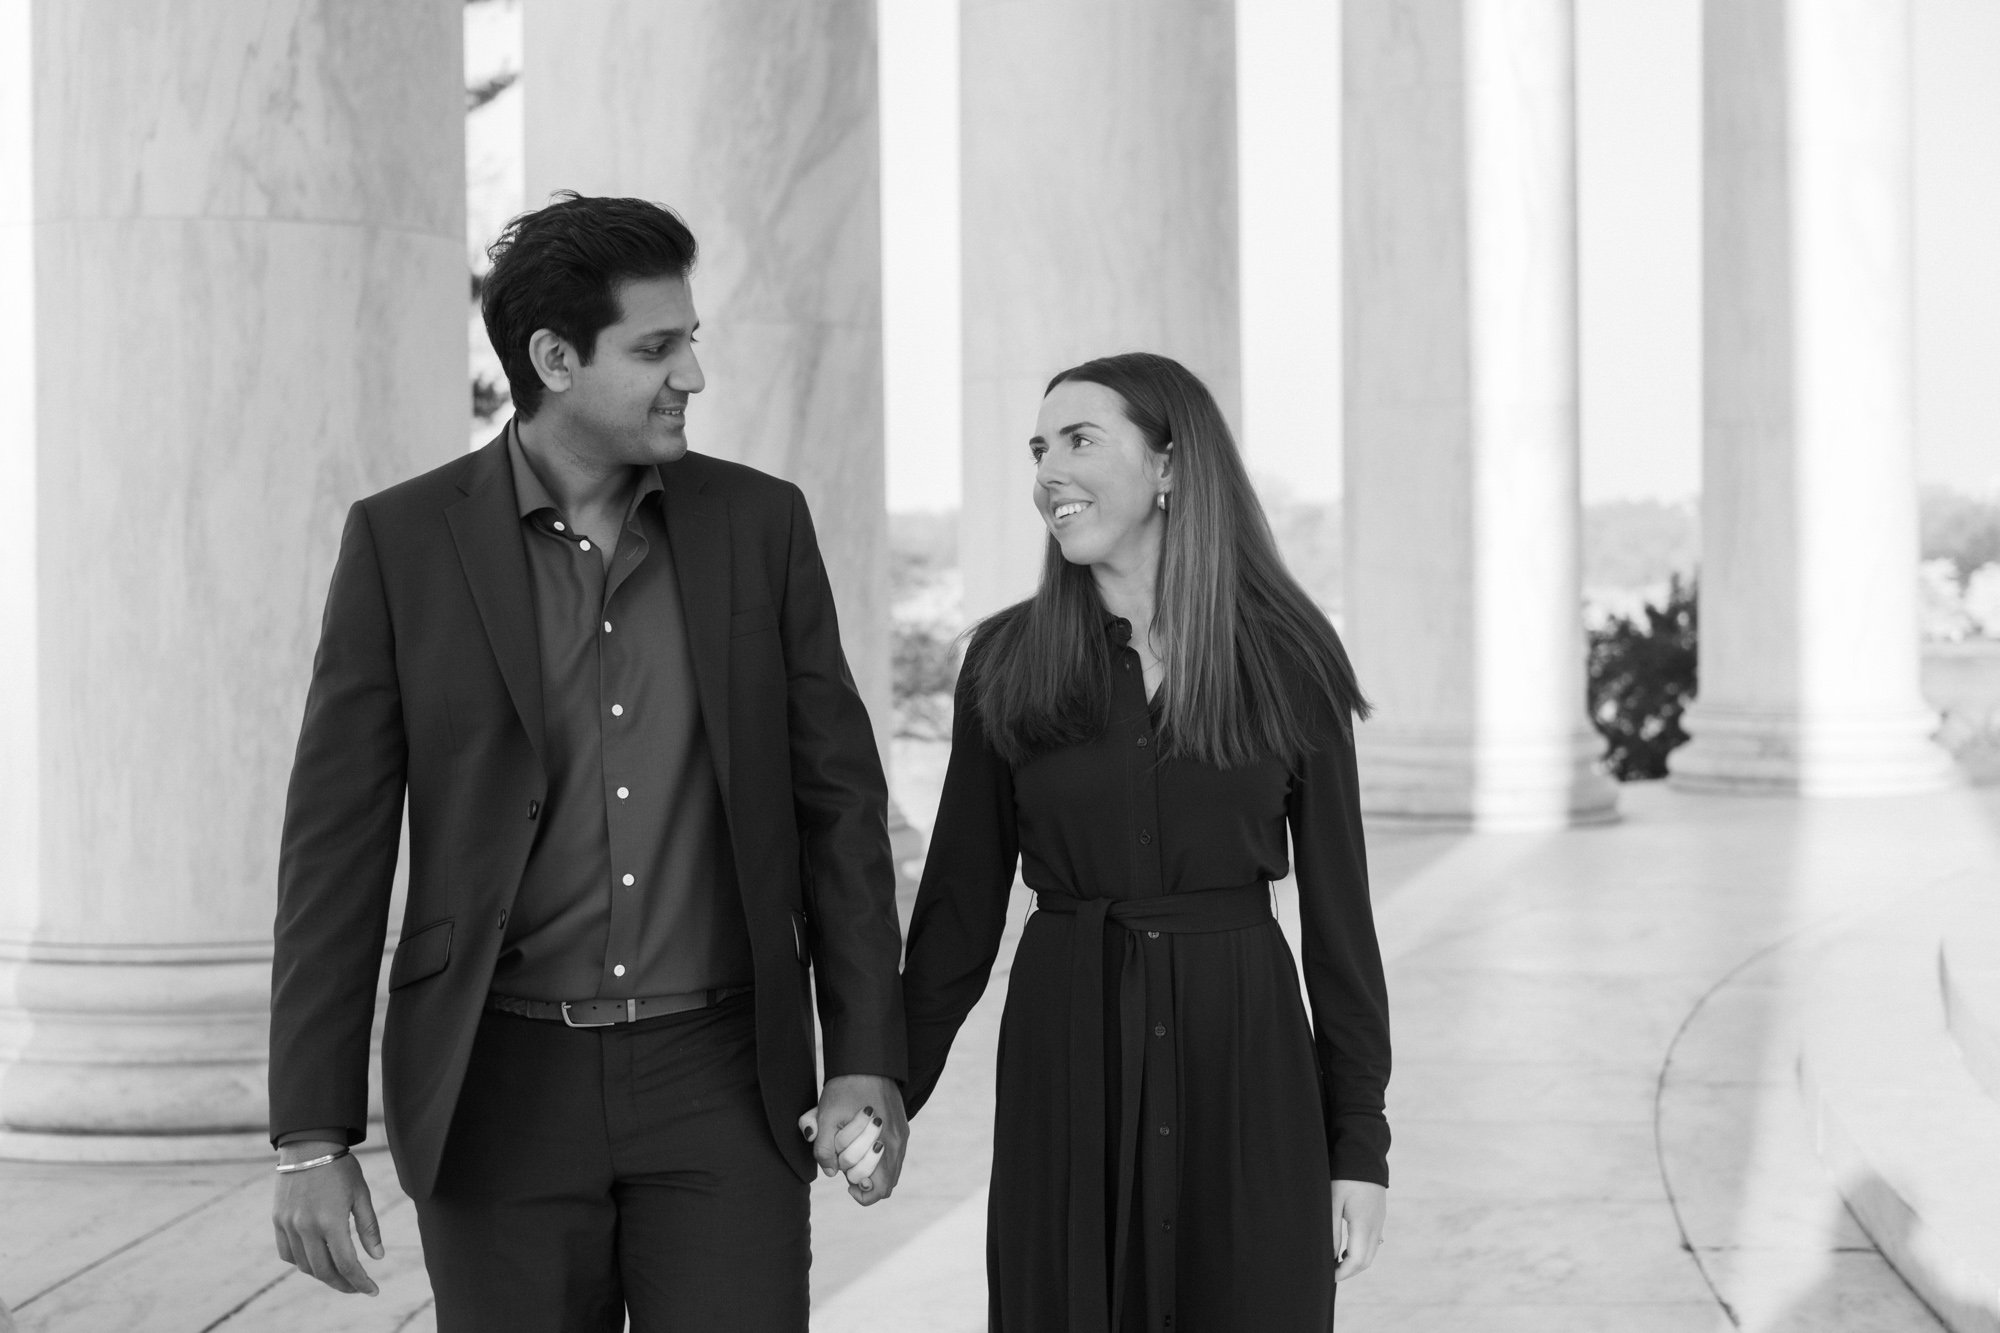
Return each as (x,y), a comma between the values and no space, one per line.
(1041,666)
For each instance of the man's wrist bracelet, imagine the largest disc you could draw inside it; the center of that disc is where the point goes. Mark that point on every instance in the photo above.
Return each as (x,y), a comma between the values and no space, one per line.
(284,1170)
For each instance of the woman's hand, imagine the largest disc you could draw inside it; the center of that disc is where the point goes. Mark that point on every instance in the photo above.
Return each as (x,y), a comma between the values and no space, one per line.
(1360,1211)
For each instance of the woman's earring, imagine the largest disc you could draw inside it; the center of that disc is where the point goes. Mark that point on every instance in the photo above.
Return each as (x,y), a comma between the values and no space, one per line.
(1161,500)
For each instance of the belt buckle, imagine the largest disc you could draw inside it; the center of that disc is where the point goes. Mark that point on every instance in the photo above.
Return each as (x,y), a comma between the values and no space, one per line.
(568,1021)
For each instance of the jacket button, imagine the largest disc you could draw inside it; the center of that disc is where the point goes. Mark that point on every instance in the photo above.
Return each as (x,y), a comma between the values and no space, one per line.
(534,809)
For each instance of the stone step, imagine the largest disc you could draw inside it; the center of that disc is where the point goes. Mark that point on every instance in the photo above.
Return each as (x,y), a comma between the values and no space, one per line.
(1909,1134)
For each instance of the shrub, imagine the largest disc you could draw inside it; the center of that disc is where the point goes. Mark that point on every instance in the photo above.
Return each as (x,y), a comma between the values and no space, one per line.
(1640,678)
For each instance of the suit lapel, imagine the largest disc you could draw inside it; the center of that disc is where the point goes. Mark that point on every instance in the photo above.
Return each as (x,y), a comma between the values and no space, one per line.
(486,525)
(698,533)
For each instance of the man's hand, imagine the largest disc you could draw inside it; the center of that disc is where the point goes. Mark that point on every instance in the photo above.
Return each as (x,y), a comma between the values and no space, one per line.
(1360,1210)
(311,1217)
(860,1130)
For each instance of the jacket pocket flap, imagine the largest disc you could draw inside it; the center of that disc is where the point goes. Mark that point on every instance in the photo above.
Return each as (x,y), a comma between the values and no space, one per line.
(752,620)
(423,954)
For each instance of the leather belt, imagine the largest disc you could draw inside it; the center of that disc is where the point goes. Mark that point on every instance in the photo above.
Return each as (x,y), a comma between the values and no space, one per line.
(1095,1294)
(609,1013)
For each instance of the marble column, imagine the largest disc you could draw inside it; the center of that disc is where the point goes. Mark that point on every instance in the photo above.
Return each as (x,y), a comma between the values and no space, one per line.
(1809,641)
(232,258)
(1463,603)
(756,121)
(1098,170)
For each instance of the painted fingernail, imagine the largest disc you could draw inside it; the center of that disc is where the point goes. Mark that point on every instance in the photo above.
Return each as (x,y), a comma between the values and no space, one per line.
(878,1122)
(809,1132)
(877,1147)
(868,1110)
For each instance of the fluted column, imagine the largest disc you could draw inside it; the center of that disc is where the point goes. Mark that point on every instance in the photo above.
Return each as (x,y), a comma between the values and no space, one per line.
(1809,640)
(232,263)
(756,121)
(1099,205)
(1463,602)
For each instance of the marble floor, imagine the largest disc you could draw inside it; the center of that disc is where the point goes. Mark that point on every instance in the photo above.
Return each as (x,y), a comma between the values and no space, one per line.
(1596,1109)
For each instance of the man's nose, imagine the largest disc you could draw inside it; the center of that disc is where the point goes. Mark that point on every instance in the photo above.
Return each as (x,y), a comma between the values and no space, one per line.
(687,376)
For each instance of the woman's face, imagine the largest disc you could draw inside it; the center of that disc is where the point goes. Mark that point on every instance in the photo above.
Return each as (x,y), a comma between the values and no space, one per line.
(1095,478)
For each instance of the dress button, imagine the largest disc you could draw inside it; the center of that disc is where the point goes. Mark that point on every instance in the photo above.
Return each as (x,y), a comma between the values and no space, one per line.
(1164,1131)
(1167,1225)
(1152,934)
(584,544)
(607,627)
(534,809)
(618,710)
(623,792)
(1159,1029)
(503,918)
(628,881)
(1142,742)
(619,971)
(560,527)
(1145,837)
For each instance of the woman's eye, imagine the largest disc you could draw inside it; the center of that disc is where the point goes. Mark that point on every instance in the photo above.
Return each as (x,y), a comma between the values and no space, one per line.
(1036,451)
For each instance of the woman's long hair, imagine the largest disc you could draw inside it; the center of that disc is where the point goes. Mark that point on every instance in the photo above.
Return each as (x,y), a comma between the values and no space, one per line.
(1236,632)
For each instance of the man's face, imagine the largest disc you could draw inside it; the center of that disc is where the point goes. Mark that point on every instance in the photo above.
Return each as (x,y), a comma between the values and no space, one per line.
(629,404)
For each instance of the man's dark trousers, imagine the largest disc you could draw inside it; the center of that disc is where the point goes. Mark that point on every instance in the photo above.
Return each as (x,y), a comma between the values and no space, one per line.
(589,1169)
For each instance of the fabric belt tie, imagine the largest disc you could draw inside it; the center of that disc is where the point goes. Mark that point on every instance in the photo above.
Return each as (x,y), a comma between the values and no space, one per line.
(1094,1294)
(609,1013)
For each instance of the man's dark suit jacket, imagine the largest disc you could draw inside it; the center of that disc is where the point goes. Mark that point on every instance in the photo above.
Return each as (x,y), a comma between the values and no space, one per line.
(428,681)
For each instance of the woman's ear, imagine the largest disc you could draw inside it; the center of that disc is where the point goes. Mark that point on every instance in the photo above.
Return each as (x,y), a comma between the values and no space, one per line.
(1163,465)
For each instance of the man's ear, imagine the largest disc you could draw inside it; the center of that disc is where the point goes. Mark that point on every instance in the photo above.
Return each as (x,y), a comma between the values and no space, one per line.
(553,359)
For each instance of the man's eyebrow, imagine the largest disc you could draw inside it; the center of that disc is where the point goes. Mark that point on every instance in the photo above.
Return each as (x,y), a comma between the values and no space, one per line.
(673,331)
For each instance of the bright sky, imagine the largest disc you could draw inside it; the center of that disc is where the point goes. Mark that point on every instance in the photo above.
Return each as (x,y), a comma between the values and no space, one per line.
(1638,97)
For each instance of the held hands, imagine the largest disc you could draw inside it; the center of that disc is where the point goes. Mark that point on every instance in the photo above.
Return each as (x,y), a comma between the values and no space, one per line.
(859,1129)
(311,1215)
(1360,1210)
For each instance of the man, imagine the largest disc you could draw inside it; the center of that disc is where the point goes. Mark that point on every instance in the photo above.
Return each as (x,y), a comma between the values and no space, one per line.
(644,799)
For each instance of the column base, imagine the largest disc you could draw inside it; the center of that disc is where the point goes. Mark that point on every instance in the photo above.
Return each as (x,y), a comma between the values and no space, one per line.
(133,1054)
(28,1146)
(1453,780)
(1749,751)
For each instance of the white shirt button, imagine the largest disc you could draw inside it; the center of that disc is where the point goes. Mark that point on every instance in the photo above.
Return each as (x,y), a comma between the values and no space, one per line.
(628,879)
(560,527)
(607,627)
(623,792)
(585,544)
(618,710)
(618,971)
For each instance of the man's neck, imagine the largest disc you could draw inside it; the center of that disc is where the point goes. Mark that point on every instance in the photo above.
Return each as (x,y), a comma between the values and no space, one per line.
(579,484)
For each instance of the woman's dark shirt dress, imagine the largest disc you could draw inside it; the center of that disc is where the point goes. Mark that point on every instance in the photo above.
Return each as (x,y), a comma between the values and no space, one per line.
(1154,1052)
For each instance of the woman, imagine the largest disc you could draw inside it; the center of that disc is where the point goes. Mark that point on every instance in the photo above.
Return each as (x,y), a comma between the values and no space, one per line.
(1142,734)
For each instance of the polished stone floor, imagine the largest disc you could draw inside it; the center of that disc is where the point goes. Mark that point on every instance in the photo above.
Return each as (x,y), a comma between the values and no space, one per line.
(1597,1117)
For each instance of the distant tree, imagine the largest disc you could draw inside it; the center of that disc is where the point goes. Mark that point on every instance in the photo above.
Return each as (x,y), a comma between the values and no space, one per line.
(1640,678)
(1959,528)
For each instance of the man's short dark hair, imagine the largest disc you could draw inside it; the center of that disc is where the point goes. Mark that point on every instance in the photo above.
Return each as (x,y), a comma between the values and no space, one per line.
(558,268)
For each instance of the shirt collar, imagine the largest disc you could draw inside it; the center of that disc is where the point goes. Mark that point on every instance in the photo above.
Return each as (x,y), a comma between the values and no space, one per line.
(530,496)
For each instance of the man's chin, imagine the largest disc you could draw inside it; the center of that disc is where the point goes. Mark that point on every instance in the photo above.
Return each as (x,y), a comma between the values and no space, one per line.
(666,446)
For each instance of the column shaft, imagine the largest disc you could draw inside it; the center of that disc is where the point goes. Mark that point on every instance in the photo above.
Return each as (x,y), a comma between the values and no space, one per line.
(1461,412)
(756,121)
(234,232)
(1099,204)
(1809,642)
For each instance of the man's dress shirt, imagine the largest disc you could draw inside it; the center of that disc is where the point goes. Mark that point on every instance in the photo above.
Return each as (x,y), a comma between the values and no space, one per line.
(630,889)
